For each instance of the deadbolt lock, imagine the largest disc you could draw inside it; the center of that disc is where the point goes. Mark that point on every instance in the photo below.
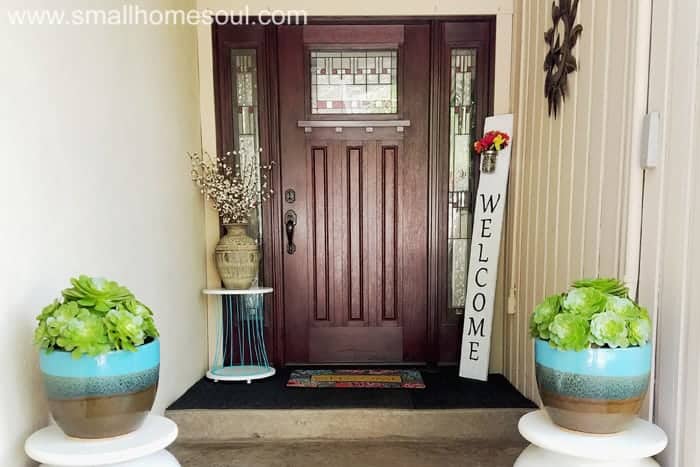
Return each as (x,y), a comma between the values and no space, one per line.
(290,196)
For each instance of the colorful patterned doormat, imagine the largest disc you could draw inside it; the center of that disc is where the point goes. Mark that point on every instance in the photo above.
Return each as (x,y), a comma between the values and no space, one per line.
(383,379)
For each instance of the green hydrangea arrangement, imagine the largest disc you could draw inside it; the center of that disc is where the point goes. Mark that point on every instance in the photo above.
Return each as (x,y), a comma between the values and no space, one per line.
(593,313)
(93,317)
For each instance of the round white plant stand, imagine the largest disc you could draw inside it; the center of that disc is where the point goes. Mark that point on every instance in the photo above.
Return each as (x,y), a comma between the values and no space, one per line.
(553,446)
(240,335)
(144,447)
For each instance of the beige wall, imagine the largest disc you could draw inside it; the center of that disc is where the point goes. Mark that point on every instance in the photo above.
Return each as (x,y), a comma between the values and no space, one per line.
(503,9)
(670,266)
(575,189)
(95,124)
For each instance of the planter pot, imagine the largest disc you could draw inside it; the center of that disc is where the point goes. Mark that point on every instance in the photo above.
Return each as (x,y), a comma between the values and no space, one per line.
(104,396)
(237,257)
(488,161)
(595,390)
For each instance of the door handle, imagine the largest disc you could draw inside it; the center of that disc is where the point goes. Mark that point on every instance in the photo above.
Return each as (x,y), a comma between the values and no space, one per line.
(289,225)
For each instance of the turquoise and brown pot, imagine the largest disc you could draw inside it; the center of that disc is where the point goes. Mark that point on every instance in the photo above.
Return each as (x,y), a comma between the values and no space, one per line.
(594,391)
(104,396)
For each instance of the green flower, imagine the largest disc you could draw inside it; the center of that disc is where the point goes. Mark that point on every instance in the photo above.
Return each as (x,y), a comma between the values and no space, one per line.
(543,315)
(569,331)
(609,328)
(48,310)
(129,325)
(139,309)
(42,338)
(97,293)
(95,316)
(83,334)
(637,319)
(61,319)
(584,301)
(606,285)
(596,312)
(623,307)
(640,328)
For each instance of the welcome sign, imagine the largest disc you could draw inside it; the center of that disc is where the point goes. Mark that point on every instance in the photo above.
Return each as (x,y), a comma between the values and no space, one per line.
(483,260)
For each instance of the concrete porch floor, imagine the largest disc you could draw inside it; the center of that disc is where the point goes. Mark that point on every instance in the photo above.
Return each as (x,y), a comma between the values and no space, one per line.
(452,422)
(366,453)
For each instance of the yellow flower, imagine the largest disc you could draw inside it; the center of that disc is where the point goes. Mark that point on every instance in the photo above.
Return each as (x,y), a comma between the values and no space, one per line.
(498,142)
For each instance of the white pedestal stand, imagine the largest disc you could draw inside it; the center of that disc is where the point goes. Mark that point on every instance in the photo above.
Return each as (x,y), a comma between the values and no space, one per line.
(242,336)
(553,446)
(144,447)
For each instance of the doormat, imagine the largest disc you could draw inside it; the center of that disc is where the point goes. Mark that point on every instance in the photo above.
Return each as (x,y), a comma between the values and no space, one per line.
(342,378)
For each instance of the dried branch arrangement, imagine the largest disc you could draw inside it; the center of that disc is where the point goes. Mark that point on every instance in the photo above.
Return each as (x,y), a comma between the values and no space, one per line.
(234,190)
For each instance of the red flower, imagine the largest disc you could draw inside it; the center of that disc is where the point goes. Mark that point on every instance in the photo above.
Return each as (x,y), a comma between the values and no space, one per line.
(492,140)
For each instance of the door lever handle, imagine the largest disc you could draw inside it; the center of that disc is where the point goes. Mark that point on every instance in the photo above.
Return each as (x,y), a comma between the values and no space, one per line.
(289,225)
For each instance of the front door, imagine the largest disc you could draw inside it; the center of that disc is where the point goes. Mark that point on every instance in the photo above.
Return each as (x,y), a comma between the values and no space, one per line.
(372,127)
(354,107)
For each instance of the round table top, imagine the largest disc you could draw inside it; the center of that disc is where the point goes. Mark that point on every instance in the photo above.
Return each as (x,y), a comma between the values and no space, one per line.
(251,291)
(51,446)
(642,439)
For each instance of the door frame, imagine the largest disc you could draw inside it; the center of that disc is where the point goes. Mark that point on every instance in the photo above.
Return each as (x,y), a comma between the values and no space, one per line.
(264,40)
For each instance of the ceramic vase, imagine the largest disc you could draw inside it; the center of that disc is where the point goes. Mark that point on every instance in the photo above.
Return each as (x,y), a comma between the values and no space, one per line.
(103,396)
(597,390)
(237,257)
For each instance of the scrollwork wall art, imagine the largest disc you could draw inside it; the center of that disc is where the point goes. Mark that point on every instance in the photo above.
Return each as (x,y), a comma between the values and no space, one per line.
(560,61)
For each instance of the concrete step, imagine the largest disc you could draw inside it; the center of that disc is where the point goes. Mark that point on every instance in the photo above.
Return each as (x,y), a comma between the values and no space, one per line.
(365,453)
(231,425)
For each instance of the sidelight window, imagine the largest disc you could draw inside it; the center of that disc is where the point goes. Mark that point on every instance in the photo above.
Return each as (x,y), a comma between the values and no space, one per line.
(245,102)
(353,81)
(461,179)
(245,105)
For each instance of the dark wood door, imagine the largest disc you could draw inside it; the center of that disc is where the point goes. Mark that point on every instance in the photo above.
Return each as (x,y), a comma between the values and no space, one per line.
(380,213)
(355,286)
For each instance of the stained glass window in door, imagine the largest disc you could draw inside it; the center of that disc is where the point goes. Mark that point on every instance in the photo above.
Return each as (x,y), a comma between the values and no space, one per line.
(354,81)
(245,105)
(461,179)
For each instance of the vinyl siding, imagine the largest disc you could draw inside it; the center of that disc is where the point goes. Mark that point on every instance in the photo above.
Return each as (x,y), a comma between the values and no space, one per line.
(572,178)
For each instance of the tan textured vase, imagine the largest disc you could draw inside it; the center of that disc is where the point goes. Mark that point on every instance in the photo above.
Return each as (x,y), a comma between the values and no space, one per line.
(237,257)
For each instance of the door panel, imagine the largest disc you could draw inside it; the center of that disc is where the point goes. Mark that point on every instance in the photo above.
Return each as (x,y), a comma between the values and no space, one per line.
(353,206)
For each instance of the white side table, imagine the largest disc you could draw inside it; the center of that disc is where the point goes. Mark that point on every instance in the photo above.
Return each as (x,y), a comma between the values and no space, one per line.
(240,336)
(553,446)
(144,447)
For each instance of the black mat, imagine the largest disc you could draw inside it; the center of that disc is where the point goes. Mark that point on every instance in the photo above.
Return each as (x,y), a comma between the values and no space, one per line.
(444,390)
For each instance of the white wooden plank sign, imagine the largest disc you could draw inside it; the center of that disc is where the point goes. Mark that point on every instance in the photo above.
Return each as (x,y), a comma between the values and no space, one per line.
(483,260)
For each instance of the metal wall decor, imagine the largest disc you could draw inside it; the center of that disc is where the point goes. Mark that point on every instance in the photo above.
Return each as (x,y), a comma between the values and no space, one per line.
(559,62)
